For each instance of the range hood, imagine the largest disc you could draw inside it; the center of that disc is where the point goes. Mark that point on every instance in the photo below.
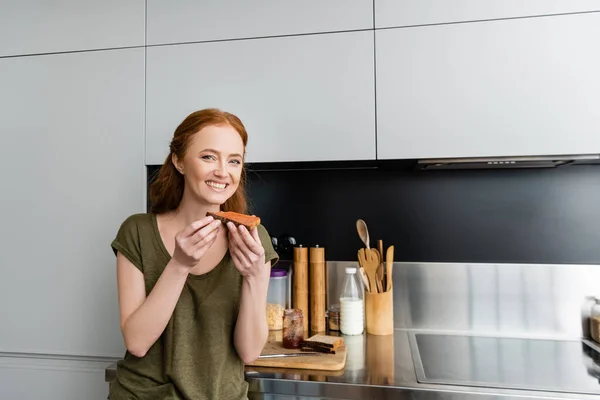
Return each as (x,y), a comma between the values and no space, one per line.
(506,162)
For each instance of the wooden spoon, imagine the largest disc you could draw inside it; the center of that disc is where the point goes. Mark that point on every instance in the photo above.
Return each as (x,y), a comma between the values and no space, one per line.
(380,269)
(363,232)
(379,276)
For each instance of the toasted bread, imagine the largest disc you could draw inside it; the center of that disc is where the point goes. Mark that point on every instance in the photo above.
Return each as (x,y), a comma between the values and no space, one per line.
(249,221)
(318,342)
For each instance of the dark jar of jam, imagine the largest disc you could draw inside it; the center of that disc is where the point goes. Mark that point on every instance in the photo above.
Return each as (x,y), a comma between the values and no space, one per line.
(293,328)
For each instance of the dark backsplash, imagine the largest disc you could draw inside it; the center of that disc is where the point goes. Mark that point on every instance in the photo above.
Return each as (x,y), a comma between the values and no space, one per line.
(524,215)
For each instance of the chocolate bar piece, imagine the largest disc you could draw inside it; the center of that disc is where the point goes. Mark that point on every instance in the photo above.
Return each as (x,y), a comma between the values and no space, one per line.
(319,349)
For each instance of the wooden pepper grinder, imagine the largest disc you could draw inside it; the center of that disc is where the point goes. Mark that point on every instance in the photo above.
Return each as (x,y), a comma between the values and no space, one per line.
(317,289)
(300,294)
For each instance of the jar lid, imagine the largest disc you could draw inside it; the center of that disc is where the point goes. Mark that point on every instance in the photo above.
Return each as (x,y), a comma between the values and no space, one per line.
(334,310)
(278,273)
(289,312)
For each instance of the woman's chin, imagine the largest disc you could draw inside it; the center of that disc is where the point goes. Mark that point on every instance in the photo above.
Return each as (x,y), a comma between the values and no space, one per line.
(215,198)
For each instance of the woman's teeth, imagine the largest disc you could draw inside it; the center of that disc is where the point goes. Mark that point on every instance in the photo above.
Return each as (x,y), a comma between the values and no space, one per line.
(216,185)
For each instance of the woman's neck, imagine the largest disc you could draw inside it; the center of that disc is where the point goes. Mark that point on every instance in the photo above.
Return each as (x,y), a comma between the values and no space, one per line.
(191,210)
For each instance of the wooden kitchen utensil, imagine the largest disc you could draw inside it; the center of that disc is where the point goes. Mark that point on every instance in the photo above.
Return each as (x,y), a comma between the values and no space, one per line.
(365,279)
(389,264)
(379,277)
(369,260)
(380,268)
(363,232)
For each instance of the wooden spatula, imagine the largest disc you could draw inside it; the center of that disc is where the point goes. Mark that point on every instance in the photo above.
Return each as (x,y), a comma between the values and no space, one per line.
(389,263)
(369,260)
(380,268)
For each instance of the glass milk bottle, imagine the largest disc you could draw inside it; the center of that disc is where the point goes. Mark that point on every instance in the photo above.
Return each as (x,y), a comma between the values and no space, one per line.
(352,321)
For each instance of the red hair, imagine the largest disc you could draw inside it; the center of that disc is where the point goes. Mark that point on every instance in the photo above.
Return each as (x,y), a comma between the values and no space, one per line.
(166,191)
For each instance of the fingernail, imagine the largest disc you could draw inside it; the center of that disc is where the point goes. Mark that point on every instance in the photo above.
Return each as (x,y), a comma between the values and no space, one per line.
(217,222)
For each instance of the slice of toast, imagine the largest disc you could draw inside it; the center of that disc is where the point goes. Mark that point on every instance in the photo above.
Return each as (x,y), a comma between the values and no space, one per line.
(249,221)
(323,341)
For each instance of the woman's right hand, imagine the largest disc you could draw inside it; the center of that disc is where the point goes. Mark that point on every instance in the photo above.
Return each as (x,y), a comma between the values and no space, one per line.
(193,241)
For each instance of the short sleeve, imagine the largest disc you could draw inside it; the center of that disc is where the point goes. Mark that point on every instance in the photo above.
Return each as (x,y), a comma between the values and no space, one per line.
(270,253)
(127,241)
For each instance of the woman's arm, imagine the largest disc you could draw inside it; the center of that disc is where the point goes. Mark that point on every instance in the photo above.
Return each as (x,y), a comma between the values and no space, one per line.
(143,319)
(248,254)
(252,330)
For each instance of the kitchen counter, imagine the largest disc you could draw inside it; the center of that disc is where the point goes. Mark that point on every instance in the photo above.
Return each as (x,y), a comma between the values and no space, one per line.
(382,367)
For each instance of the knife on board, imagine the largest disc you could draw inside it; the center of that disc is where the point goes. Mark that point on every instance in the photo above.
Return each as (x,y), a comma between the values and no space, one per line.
(306,353)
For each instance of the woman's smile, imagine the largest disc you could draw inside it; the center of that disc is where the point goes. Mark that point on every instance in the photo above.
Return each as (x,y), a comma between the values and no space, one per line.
(217,186)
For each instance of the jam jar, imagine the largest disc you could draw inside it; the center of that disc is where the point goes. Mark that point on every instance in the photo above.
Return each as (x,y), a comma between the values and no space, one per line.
(293,328)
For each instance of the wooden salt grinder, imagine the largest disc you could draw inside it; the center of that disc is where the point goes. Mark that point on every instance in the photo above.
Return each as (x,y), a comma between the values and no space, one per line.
(300,294)
(317,289)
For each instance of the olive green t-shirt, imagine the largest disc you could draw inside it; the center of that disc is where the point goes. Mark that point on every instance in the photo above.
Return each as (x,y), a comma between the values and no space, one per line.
(194,358)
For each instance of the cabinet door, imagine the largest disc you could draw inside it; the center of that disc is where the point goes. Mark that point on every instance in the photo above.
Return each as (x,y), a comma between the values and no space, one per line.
(395,13)
(41,26)
(302,98)
(497,88)
(71,150)
(51,379)
(195,21)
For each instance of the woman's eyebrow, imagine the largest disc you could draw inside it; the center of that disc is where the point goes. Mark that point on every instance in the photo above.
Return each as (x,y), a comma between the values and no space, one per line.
(217,152)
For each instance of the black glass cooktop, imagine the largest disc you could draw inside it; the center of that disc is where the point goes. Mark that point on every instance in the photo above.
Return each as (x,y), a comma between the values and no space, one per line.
(507,363)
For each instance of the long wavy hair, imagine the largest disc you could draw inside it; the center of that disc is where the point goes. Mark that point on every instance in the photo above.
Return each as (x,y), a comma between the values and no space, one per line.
(166,192)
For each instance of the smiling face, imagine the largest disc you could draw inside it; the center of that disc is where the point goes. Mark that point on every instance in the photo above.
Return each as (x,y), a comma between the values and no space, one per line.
(212,165)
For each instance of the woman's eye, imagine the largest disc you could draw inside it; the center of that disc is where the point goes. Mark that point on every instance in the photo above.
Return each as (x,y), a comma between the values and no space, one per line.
(208,157)
(236,161)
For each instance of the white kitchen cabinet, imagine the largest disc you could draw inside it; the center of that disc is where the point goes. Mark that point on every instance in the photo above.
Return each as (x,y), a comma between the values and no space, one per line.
(496,88)
(395,13)
(40,26)
(51,379)
(195,21)
(71,150)
(301,98)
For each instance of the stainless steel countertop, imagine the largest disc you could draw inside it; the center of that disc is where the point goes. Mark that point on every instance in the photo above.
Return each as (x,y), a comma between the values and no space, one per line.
(379,367)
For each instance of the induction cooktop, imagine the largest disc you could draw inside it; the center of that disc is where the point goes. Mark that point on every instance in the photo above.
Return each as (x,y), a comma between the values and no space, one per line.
(570,366)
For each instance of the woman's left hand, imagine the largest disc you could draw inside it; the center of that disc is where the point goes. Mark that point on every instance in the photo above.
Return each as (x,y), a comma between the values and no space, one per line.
(246,251)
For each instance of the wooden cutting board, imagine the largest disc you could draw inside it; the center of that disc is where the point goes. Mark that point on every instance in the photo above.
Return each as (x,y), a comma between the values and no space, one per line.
(326,362)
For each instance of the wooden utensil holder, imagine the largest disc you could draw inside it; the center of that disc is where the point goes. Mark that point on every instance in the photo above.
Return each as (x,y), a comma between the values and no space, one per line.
(379,310)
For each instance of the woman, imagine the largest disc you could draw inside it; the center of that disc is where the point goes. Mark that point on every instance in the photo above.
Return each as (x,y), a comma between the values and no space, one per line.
(192,293)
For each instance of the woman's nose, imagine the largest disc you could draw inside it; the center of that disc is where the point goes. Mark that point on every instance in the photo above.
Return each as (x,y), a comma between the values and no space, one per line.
(220,170)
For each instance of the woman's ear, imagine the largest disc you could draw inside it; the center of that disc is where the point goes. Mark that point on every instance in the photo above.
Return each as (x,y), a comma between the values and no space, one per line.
(177,164)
